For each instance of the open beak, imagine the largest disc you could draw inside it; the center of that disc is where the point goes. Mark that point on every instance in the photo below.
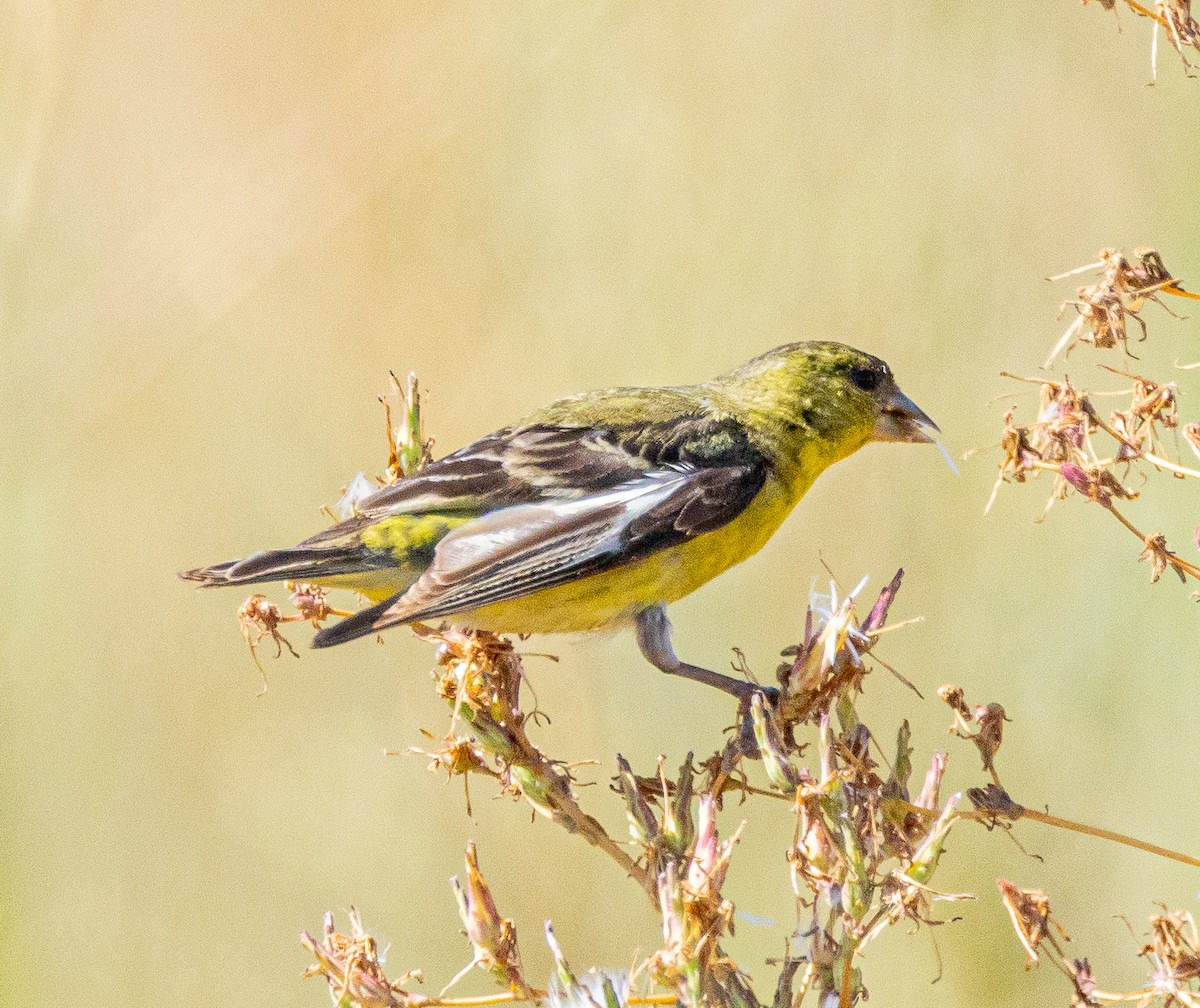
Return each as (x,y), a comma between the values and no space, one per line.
(903,420)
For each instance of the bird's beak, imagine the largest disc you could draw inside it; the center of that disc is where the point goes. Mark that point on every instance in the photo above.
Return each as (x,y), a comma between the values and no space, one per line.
(903,420)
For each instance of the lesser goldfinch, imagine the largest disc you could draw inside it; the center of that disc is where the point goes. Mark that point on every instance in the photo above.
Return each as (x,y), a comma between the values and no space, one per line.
(600,509)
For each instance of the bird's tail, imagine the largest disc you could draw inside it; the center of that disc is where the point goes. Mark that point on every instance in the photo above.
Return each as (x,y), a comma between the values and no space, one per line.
(361,624)
(300,563)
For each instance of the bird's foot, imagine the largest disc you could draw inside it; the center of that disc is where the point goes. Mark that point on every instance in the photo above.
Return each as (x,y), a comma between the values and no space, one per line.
(654,640)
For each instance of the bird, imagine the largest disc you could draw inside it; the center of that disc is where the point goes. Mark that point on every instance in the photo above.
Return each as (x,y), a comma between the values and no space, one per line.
(599,510)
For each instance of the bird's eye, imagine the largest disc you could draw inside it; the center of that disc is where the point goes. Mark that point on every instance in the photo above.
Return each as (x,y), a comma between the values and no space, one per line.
(865,379)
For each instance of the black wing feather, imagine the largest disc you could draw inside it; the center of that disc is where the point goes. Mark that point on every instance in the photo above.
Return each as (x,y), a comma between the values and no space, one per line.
(546,461)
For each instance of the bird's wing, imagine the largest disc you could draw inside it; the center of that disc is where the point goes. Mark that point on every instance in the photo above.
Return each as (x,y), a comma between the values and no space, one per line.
(573,449)
(516,551)
(517,465)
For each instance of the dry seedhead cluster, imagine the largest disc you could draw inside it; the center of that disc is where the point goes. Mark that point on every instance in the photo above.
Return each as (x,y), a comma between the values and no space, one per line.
(259,618)
(1107,455)
(1174,17)
(863,854)
(1104,307)
(354,967)
(1172,950)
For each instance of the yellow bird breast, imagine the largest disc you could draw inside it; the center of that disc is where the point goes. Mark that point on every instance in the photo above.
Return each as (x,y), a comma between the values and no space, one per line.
(614,597)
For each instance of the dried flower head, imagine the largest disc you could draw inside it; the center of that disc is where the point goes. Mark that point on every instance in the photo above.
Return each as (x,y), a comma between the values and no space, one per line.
(1172,951)
(1161,558)
(1182,31)
(595,989)
(1096,484)
(459,757)
(989,719)
(353,494)
(815,858)
(1073,442)
(1174,955)
(1175,17)
(1060,434)
(1191,434)
(994,802)
(1029,911)
(493,937)
(904,894)
(353,967)
(259,617)
(476,666)
(409,450)
(829,660)
(1154,404)
(1104,306)
(312,604)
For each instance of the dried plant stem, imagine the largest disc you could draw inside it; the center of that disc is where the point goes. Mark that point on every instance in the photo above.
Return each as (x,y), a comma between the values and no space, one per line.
(1103,834)
(846,994)
(576,820)
(1126,522)
(1145,12)
(1177,562)
(549,787)
(481,679)
(510,997)
(1154,460)
(1162,463)
(1169,284)
(1095,418)
(1051,820)
(1042,817)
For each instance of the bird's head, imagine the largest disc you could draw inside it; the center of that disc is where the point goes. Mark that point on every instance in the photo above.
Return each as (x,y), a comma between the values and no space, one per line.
(825,398)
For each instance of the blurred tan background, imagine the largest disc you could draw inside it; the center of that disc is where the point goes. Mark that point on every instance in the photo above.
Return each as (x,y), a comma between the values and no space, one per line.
(223,224)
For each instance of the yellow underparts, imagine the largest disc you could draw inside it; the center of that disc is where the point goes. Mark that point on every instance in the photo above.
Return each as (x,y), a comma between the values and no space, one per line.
(409,538)
(615,597)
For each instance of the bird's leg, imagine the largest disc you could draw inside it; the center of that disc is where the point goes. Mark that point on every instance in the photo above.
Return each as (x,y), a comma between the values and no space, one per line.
(654,640)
